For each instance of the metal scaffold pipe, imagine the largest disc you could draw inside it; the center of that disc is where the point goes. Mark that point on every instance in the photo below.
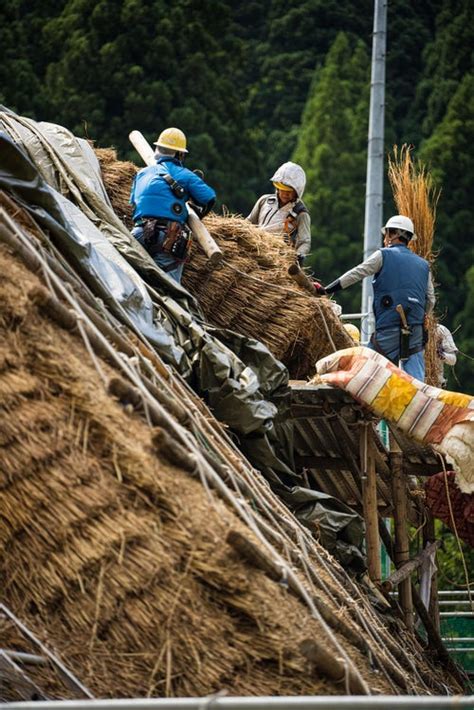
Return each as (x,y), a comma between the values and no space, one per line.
(375,156)
(382,702)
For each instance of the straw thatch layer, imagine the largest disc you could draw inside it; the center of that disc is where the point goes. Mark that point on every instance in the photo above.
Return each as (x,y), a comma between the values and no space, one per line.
(251,291)
(112,555)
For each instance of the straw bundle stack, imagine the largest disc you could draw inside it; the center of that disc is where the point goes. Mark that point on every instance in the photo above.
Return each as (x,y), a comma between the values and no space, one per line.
(416,197)
(112,553)
(117,557)
(118,177)
(251,291)
(123,562)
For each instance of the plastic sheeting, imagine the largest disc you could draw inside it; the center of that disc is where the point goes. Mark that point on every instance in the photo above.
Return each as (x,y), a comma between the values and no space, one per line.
(56,178)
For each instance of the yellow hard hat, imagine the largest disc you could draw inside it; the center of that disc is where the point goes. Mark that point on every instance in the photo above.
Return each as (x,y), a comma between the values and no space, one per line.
(281,186)
(172,138)
(353,331)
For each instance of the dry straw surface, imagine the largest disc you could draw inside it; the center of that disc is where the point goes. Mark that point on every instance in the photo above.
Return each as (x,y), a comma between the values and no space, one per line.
(118,560)
(251,291)
(416,197)
(114,557)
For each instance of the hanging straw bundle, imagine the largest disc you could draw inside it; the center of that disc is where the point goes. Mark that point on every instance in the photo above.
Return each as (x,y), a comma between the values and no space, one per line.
(416,197)
(251,291)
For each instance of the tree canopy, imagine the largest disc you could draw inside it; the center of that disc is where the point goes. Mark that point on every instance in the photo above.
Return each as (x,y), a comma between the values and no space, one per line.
(255,83)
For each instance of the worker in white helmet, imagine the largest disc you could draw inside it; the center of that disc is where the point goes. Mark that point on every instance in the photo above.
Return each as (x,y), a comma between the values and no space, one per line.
(403,295)
(284,212)
(159,196)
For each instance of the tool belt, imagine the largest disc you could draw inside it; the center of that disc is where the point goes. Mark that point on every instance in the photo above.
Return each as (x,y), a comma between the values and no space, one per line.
(162,236)
(404,353)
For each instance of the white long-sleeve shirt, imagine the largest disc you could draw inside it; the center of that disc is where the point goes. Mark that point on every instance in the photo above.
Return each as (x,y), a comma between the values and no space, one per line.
(371,266)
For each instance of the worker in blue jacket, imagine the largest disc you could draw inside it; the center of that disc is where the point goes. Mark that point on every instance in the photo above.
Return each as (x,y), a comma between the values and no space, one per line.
(159,196)
(403,296)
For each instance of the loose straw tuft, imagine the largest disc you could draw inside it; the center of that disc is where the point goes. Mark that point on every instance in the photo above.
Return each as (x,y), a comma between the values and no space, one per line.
(416,197)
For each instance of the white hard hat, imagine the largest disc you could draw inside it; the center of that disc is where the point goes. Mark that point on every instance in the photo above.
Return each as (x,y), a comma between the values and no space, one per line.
(399,221)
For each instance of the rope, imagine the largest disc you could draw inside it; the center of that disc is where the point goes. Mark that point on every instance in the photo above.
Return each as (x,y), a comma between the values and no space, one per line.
(458,541)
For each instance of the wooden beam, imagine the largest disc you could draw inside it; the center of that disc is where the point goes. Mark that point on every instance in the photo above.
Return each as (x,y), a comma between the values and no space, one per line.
(369,498)
(429,536)
(405,571)
(400,516)
(338,463)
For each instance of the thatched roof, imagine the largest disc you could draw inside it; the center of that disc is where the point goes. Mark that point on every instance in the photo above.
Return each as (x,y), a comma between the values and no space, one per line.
(251,291)
(123,562)
(136,540)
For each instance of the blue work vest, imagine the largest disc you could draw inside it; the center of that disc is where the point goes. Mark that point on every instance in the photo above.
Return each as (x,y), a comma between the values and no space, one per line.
(403,279)
(152,196)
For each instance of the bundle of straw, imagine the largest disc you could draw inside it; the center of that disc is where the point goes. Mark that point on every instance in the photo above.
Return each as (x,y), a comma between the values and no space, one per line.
(416,197)
(251,291)
(118,177)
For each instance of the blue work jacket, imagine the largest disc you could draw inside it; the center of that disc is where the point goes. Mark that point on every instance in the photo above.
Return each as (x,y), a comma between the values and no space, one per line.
(403,279)
(152,196)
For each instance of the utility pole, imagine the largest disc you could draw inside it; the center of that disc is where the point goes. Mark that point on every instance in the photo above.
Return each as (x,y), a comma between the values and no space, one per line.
(375,158)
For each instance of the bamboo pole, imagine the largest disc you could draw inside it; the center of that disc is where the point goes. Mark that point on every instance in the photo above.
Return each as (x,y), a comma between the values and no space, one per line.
(400,516)
(369,500)
(405,571)
(301,279)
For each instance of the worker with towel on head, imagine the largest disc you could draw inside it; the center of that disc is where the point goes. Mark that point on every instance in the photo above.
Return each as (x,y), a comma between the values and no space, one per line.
(284,212)
(159,196)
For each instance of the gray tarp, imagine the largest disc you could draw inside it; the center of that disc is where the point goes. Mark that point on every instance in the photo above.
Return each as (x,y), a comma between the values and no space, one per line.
(56,177)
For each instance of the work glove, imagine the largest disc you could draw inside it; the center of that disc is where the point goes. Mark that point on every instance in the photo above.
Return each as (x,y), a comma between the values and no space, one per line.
(300,260)
(199,173)
(319,288)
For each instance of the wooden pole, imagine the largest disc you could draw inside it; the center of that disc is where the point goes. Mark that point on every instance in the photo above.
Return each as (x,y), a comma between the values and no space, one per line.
(369,499)
(429,537)
(301,279)
(400,516)
(405,571)
(201,234)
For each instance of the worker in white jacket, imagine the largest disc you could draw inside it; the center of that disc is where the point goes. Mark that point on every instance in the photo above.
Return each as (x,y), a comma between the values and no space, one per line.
(284,212)
(446,352)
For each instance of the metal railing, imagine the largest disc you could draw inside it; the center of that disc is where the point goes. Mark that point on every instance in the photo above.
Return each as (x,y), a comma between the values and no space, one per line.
(346,702)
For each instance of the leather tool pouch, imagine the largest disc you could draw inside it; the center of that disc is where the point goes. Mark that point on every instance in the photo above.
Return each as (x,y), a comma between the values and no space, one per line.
(152,231)
(166,238)
(177,241)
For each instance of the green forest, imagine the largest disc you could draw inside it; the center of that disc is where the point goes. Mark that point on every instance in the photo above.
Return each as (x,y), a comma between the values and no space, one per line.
(254,84)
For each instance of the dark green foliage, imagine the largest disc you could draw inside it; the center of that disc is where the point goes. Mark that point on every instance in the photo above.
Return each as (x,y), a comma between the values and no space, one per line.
(464,321)
(448,152)
(332,147)
(299,34)
(253,83)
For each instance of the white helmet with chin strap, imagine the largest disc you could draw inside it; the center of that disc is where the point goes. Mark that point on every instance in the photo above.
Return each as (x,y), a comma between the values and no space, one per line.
(402,223)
